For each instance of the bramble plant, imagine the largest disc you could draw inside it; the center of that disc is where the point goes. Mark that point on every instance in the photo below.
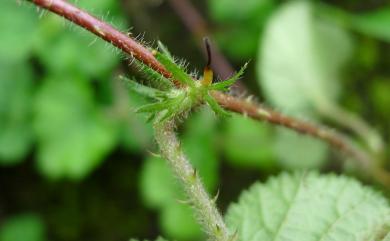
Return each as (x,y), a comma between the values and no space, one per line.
(299,206)
(174,103)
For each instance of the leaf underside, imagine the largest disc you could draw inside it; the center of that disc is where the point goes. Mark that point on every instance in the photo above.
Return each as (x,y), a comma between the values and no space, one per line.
(310,207)
(297,56)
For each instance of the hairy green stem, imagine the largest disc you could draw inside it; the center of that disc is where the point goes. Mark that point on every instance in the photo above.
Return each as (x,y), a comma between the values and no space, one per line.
(205,208)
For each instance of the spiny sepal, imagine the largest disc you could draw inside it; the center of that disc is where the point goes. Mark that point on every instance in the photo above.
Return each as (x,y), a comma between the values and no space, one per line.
(176,96)
(171,105)
(226,84)
(178,73)
(140,89)
(155,79)
(215,106)
(165,50)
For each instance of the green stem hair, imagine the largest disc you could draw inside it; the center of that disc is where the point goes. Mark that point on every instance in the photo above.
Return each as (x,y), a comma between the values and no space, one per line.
(205,208)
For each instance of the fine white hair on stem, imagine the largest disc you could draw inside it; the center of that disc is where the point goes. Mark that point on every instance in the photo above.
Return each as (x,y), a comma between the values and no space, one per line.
(204,206)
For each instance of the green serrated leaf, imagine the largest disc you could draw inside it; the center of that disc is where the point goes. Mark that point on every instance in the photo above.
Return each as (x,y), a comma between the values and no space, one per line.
(224,85)
(298,67)
(309,207)
(177,72)
(73,135)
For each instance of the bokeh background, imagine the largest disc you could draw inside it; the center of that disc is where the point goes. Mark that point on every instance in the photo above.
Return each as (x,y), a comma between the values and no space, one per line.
(76,162)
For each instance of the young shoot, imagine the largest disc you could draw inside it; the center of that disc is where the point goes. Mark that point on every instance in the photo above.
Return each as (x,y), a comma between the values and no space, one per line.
(176,100)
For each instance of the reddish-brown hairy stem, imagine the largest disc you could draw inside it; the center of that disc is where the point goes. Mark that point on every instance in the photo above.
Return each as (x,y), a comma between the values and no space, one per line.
(259,112)
(135,49)
(197,25)
(334,139)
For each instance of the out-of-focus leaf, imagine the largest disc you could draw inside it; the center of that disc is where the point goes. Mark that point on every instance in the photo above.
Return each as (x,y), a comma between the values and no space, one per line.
(232,10)
(367,54)
(73,136)
(296,151)
(15,111)
(109,10)
(245,20)
(63,50)
(380,95)
(157,184)
(24,227)
(136,133)
(199,145)
(244,44)
(375,23)
(248,143)
(298,65)
(18,26)
(306,207)
(158,239)
(178,222)
(160,190)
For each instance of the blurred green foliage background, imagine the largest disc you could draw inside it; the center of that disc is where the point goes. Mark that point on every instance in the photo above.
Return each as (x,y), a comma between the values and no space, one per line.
(76,163)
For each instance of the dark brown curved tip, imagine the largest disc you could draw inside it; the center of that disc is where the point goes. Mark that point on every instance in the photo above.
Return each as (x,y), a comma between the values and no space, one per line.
(208,51)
